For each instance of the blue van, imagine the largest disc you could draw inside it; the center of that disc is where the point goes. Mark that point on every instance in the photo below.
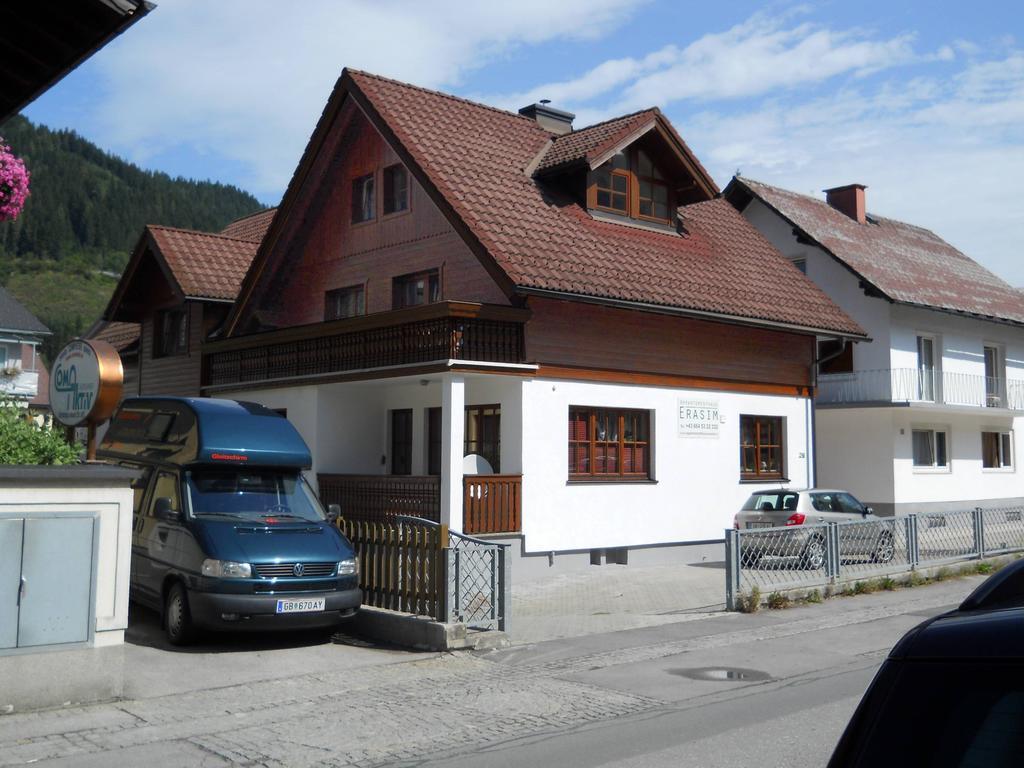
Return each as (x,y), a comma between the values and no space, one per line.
(226,532)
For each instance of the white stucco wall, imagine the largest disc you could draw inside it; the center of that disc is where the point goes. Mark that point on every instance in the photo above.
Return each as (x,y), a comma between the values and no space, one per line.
(856,451)
(697,487)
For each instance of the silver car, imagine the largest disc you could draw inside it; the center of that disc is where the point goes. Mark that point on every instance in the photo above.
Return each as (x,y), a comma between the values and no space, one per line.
(792,522)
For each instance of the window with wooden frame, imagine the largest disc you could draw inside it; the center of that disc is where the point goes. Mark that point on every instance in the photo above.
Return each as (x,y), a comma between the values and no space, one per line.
(415,289)
(631,184)
(364,201)
(396,189)
(171,333)
(609,444)
(997,450)
(345,302)
(761,445)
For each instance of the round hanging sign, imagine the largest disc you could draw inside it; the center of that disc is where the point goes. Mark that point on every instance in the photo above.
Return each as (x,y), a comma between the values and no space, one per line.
(85,382)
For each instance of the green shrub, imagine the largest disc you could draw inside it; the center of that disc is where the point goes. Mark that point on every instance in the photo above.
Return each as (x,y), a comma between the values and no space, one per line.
(984,568)
(942,574)
(23,442)
(814,596)
(887,583)
(778,600)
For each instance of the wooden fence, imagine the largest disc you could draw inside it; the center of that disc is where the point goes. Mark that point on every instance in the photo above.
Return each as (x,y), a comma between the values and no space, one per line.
(492,504)
(401,565)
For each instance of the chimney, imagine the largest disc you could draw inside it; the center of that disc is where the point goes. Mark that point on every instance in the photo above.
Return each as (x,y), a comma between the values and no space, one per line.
(549,118)
(849,200)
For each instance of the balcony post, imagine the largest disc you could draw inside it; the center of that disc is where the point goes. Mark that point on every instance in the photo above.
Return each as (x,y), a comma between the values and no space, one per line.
(453,425)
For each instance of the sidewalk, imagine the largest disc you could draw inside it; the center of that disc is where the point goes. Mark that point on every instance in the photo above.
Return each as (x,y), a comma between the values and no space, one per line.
(611,598)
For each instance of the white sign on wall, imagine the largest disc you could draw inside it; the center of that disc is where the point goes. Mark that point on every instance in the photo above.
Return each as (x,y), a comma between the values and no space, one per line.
(74,383)
(698,418)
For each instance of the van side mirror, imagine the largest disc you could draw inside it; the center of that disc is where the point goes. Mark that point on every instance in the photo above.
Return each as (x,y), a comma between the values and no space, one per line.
(163,510)
(333,513)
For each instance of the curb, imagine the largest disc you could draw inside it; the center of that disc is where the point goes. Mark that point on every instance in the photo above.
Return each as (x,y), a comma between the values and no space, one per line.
(422,634)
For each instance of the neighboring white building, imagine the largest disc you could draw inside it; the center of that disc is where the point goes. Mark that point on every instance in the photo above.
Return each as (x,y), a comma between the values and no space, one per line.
(928,415)
(21,333)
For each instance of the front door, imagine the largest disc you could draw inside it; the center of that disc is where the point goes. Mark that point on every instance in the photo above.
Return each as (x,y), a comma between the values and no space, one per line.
(401,442)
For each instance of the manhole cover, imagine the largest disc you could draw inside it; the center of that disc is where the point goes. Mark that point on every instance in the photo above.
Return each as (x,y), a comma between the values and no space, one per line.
(723,674)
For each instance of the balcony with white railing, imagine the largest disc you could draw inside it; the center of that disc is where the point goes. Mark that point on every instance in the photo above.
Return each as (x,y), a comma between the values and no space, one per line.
(19,383)
(913,385)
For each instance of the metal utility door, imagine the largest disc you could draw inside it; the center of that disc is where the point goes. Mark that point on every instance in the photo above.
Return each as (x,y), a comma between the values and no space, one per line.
(10,580)
(56,594)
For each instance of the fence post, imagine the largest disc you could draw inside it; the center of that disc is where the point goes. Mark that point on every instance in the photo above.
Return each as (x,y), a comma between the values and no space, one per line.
(832,553)
(979,532)
(732,568)
(913,551)
(506,587)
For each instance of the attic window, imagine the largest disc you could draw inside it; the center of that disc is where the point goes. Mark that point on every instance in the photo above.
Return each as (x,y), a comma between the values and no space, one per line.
(364,206)
(631,184)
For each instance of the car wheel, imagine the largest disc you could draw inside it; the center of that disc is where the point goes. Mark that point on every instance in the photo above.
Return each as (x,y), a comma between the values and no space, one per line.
(885,549)
(177,620)
(813,556)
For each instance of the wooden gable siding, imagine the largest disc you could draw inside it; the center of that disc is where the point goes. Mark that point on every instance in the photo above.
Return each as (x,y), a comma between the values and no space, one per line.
(578,335)
(177,374)
(327,251)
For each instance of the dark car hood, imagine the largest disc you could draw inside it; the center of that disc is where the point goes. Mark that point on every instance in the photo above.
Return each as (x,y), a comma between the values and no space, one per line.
(253,542)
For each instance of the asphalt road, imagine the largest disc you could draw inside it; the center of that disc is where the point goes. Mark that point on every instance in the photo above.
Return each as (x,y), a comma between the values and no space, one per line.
(657,696)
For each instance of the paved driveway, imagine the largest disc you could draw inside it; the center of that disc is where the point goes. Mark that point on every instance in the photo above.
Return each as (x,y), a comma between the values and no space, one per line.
(609,598)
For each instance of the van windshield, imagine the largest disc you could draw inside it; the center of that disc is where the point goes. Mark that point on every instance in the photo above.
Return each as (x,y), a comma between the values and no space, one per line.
(262,495)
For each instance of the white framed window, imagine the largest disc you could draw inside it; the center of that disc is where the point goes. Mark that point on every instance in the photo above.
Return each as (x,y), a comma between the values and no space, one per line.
(996,450)
(930,448)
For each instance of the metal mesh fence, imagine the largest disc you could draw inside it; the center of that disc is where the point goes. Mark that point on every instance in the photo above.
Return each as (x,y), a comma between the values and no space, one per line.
(777,559)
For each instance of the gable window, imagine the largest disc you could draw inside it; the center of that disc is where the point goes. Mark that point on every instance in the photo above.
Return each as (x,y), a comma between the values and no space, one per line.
(612,183)
(761,448)
(631,184)
(171,333)
(396,189)
(344,302)
(609,444)
(996,450)
(364,204)
(930,448)
(415,289)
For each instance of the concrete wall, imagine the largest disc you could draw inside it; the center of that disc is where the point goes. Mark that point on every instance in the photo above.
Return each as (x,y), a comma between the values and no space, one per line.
(51,675)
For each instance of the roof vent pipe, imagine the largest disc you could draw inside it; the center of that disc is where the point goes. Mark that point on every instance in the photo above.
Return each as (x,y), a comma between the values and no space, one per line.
(549,118)
(849,200)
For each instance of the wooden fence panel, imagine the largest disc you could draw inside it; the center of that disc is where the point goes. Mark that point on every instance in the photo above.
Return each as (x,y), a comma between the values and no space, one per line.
(492,504)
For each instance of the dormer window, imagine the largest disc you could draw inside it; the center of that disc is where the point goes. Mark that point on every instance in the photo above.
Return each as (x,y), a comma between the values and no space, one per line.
(631,184)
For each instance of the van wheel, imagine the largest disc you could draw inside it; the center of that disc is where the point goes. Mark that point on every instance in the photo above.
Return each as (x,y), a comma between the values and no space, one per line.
(177,619)
(885,550)
(813,556)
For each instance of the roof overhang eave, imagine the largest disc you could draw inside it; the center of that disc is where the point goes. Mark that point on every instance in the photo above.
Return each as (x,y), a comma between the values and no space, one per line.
(664,309)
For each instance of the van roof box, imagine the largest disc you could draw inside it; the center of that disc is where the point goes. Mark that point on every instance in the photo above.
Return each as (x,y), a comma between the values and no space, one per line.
(200,430)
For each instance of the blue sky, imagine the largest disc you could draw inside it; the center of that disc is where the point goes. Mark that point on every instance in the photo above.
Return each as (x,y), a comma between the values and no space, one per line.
(921,101)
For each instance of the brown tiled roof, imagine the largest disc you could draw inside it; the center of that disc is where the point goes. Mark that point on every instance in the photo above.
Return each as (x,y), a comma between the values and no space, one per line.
(593,141)
(121,336)
(252,227)
(908,264)
(476,156)
(206,266)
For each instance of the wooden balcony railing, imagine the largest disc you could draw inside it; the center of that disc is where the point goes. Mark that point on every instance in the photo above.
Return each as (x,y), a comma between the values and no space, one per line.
(492,504)
(382,497)
(433,332)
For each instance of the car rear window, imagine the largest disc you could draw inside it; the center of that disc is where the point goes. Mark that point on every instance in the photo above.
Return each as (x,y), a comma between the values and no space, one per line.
(946,715)
(771,501)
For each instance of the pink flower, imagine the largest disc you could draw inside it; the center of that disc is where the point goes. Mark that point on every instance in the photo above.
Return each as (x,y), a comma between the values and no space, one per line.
(13,184)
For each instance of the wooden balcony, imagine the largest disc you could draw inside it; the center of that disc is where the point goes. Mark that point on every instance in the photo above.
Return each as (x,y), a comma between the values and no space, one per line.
(492,504)
(433,333)
(382,497)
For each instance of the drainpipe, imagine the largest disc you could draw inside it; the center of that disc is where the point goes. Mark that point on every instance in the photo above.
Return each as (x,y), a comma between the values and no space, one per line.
(814,411)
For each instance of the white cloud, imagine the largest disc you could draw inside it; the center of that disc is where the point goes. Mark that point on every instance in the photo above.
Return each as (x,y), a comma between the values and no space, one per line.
(249,78)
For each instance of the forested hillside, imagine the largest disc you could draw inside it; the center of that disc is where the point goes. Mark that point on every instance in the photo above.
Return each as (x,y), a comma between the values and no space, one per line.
(85,213)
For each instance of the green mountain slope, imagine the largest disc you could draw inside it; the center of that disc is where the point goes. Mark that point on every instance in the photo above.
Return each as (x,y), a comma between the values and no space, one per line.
(84,215)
